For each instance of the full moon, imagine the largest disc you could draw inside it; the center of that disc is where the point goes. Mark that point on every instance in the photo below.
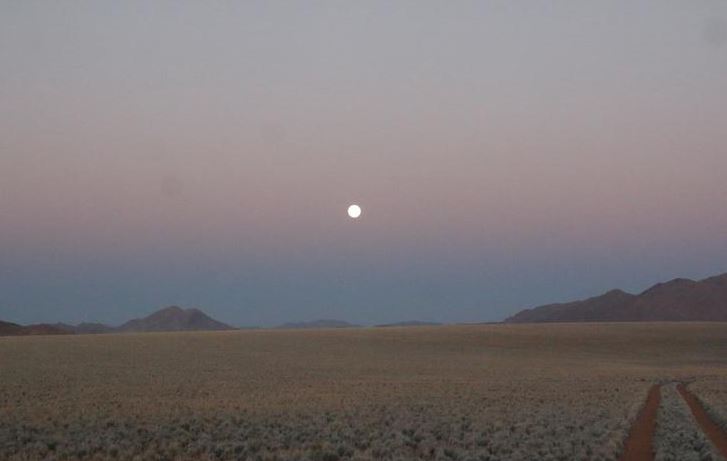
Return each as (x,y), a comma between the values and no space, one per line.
(354,211)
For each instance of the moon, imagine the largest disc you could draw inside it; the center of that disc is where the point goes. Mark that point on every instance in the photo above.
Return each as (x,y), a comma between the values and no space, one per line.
(354,211)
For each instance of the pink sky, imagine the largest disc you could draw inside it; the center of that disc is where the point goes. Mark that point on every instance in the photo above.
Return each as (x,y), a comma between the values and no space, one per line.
(494,136)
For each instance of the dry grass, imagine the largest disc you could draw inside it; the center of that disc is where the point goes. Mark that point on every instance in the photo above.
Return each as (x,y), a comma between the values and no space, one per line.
(678,436)
(711,390)
(464,392)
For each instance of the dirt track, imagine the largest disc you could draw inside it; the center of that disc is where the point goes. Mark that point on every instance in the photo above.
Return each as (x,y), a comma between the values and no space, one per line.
(716,435)
(639,444)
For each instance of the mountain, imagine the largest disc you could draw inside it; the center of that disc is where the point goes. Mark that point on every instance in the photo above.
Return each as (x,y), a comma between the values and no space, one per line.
(174,319)
(85,328)
(408,323)
(168,319)
(13,329)
(43,329)
(677,300)
(9,328)
(322,323)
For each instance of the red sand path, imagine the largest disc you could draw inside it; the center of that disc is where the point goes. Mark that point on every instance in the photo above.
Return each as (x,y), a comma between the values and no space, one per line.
(716,434)
(639,444)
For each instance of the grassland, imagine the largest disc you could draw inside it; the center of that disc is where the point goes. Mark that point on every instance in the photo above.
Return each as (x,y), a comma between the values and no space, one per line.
(444,393)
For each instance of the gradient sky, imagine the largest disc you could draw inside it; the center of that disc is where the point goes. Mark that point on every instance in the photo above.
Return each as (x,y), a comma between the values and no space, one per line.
(506,154)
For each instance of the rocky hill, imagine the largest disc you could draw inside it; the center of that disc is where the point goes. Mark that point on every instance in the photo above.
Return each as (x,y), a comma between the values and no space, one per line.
(677,300)
(174,318)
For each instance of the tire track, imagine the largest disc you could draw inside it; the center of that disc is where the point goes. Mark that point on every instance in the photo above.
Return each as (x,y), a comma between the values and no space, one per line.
(714,433)
(639,444)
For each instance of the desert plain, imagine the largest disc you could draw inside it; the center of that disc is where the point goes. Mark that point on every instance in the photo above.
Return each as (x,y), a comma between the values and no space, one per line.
(465,392)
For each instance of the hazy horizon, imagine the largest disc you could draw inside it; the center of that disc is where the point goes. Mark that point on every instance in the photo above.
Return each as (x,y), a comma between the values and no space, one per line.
(505,156)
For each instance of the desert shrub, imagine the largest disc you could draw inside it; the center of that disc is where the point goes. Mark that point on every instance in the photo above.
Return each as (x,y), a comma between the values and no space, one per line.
(678,436)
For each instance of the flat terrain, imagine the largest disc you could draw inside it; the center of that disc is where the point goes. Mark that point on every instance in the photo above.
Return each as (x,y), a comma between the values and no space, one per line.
(550,391)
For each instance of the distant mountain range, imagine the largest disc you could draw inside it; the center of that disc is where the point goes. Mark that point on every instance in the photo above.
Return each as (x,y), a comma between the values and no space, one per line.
(171,318)
(13,329)
(408,323)
(322,323)
(85,328)
(677,300)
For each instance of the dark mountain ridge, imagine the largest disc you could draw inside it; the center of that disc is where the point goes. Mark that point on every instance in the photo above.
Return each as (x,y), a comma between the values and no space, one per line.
(85,328)
(171,318)
(408,323)
(322,323)
(175,318)
(13,329)
(679,299)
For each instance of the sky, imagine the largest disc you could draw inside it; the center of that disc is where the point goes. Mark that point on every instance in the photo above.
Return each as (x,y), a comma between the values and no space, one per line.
(505,155)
